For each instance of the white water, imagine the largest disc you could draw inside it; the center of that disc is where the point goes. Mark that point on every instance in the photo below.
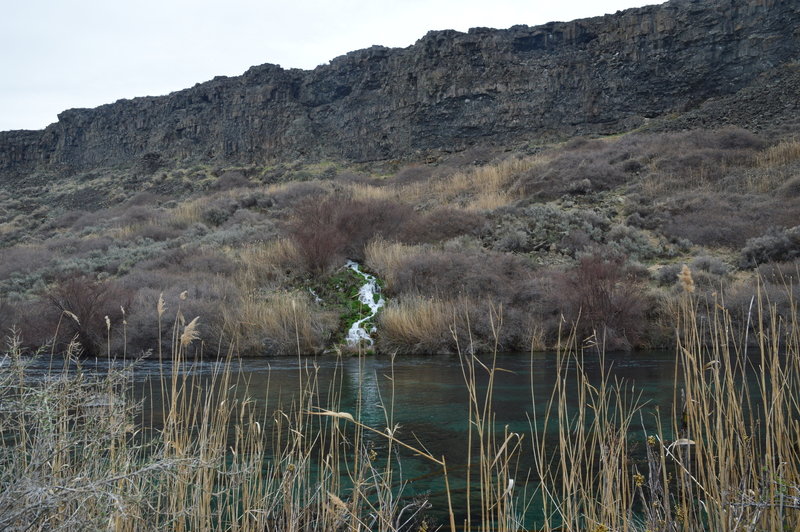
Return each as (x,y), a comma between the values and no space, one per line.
(366,295)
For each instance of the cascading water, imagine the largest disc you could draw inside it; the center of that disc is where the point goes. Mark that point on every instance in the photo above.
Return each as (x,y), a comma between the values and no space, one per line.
(366,295)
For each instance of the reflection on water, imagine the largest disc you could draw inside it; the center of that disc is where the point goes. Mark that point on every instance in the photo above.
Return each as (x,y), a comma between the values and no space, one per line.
(425,396)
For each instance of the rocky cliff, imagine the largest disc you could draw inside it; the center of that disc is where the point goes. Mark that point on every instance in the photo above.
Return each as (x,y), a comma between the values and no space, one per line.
(448,91)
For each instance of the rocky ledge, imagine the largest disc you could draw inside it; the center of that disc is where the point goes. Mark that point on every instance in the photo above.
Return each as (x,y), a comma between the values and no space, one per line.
(448,91)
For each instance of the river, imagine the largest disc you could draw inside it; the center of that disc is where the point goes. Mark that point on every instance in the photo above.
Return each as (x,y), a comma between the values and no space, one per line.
(426,396)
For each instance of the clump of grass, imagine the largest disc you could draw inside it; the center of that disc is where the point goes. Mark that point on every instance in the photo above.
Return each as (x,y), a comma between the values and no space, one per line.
(187,213)
(278,323)
(265,263)
(387,258)
(781,154)
(482,188)
(417,324)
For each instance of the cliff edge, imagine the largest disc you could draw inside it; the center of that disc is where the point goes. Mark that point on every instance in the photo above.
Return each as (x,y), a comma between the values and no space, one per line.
(448,91)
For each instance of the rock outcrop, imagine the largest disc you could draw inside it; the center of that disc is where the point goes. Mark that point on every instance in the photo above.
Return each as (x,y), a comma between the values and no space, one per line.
(448,91)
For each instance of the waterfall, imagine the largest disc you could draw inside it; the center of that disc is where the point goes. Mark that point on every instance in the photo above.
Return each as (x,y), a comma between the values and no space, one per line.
(366,295)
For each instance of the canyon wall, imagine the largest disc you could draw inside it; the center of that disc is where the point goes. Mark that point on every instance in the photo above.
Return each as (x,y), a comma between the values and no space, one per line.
(448,91)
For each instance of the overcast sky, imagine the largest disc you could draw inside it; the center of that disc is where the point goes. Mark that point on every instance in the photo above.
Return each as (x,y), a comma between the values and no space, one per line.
(60,54)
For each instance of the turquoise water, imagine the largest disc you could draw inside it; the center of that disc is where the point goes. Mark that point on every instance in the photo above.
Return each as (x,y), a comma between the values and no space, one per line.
(427,397)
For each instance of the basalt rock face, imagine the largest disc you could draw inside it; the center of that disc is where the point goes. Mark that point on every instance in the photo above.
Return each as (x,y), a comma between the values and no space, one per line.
(448,91)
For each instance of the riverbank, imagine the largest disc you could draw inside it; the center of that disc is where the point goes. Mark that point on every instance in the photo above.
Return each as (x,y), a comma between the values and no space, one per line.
(714,448)
(596,229)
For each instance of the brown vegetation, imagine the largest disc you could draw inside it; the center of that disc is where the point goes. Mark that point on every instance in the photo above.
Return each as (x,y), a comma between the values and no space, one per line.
(508,232)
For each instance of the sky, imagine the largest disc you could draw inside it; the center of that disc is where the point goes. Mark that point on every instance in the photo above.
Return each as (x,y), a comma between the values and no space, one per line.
(63,54)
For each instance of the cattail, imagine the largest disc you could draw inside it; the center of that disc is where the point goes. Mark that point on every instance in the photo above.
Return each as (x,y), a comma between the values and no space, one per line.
(108,324)
(685,278)
(190,332)
(73,316)
(161,307)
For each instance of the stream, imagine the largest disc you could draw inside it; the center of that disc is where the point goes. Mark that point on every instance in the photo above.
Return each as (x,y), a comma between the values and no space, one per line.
(367,296)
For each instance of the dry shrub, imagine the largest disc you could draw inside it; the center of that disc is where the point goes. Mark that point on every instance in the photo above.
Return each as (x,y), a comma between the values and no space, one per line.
(319,242)
(777,245)
(154,231)
(21,259)
(192,259)
(230,180)
(76,246)
(413,173)
(443,223)
(90,311)
(478,274)
(781,273)
(774,287)
(120,216)
(665,161)
(790,189)
(716,219)
(187,294)
(361,221)
(288,195)
(601,296)
(34,320)
(8,318)
(328,231)
(278,323)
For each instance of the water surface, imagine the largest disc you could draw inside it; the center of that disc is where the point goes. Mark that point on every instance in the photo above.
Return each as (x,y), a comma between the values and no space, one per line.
(426,397)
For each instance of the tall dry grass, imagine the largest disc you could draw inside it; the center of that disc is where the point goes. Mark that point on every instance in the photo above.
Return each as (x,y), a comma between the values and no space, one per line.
(723,456)
(387,258)
(265,319)
(418,324)
(265,263)
(75,455)
(187,213)
(783,153)
(278,323)
(480,189)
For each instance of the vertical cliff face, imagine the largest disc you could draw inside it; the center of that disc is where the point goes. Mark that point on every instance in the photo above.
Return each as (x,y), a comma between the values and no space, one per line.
(448,91)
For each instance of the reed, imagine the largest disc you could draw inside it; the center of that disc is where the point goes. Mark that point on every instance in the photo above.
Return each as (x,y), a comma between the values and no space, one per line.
(721,455)
(725,457)
(493,453)
(76,458)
